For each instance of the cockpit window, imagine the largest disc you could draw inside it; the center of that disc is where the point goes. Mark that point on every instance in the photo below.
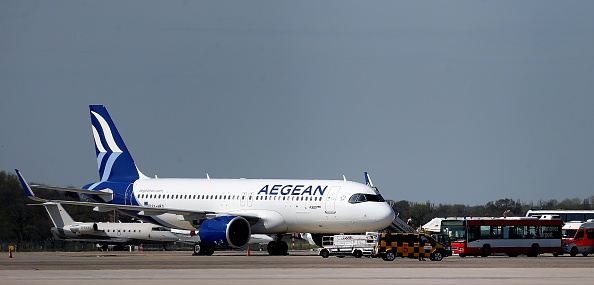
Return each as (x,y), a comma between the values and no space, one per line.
(359,198)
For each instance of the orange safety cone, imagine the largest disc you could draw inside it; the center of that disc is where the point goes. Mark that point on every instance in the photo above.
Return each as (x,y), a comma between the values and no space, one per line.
(9,253)
(248,251)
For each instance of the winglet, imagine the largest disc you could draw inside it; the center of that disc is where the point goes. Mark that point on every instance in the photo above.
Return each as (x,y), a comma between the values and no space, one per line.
(27,188)
(368,180)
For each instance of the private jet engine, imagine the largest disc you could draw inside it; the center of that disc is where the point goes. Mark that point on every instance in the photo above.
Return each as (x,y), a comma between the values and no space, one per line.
(222,232)
(85,228)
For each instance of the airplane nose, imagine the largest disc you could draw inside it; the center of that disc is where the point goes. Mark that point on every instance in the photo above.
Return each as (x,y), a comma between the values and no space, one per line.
(385,215)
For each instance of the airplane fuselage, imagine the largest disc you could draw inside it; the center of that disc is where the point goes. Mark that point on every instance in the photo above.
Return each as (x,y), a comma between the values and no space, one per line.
(316,206)
(114,233)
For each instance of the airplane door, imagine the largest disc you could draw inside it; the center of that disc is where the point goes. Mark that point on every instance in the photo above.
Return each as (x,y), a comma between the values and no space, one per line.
(331,200)
(250,200)
(243,198)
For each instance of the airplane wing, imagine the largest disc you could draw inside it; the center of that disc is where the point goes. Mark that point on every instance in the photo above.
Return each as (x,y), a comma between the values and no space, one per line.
(101,240)
(142,210)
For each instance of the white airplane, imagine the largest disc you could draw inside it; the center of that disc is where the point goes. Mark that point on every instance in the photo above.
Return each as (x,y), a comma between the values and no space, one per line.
(104,234)
(226,211)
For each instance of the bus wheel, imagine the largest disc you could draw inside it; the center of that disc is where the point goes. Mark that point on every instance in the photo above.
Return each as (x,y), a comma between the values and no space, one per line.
(462,255)
(574,251)
(585,254)
(535,250)
(555,254)
(437,256)
(358,254)
(390,256)
(486,251)
(324,253)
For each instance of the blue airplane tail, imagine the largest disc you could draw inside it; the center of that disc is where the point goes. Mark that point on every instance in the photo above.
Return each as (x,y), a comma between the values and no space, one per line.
(113,158)
(368,180)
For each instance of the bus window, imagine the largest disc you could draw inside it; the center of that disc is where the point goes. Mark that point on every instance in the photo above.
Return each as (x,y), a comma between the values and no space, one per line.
(569,233)
(575,217)
(485,232)
(496,232)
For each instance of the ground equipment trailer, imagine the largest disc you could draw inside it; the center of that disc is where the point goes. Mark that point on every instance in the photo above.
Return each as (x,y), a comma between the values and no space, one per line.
(356,245)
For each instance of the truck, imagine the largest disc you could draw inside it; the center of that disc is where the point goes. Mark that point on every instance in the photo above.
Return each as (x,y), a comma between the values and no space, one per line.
(411,245)
(357,245)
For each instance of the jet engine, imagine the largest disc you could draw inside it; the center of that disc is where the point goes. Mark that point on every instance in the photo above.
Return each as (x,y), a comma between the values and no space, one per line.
(225,232)
(85,228)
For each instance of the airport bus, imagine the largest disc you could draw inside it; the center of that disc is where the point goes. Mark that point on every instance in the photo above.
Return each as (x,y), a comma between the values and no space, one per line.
(484,236)
(564,215)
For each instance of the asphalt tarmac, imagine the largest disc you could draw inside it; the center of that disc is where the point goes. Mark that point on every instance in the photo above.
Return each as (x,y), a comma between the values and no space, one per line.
(297,268)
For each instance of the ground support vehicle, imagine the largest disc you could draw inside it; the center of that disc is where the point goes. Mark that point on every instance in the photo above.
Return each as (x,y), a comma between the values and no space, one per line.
(578,238)
(411,245)
(349,245)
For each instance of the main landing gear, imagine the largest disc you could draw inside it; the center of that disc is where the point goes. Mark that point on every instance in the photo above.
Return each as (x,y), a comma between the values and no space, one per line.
(278,247)
(202,249)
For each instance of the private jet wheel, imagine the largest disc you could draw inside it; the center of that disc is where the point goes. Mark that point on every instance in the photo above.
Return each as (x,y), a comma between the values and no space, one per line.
(197,249)
(390,256)
(358,254)
(437,256)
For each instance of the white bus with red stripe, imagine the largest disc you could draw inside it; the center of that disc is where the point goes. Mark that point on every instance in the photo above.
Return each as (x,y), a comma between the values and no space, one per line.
(484,236)
(578,237)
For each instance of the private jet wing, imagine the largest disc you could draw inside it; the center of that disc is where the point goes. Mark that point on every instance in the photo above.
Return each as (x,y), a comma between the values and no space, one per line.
(104,207)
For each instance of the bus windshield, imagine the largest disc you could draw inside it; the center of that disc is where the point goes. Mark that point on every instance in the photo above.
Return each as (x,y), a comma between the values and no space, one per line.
(455,230)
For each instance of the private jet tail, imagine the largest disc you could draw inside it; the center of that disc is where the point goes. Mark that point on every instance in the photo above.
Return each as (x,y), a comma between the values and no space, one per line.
(113,158)
(59,216)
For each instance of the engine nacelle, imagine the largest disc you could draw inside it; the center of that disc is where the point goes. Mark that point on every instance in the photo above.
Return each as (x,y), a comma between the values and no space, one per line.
(86,228)
(225,232)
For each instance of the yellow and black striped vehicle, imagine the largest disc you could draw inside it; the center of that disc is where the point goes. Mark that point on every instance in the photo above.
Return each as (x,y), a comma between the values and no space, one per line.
(411,245)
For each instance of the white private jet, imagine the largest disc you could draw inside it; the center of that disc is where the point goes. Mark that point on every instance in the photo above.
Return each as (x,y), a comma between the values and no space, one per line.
(104,234)
(226,211)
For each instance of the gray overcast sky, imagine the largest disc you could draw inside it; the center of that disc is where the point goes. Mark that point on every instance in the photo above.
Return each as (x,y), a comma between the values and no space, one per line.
(448,101)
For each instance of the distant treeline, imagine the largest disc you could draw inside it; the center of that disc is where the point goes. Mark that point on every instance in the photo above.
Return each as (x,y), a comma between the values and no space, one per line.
(22,223)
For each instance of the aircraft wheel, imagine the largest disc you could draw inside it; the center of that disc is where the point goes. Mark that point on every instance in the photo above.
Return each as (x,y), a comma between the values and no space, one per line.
(283,248)
(197,249)
(271,247)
